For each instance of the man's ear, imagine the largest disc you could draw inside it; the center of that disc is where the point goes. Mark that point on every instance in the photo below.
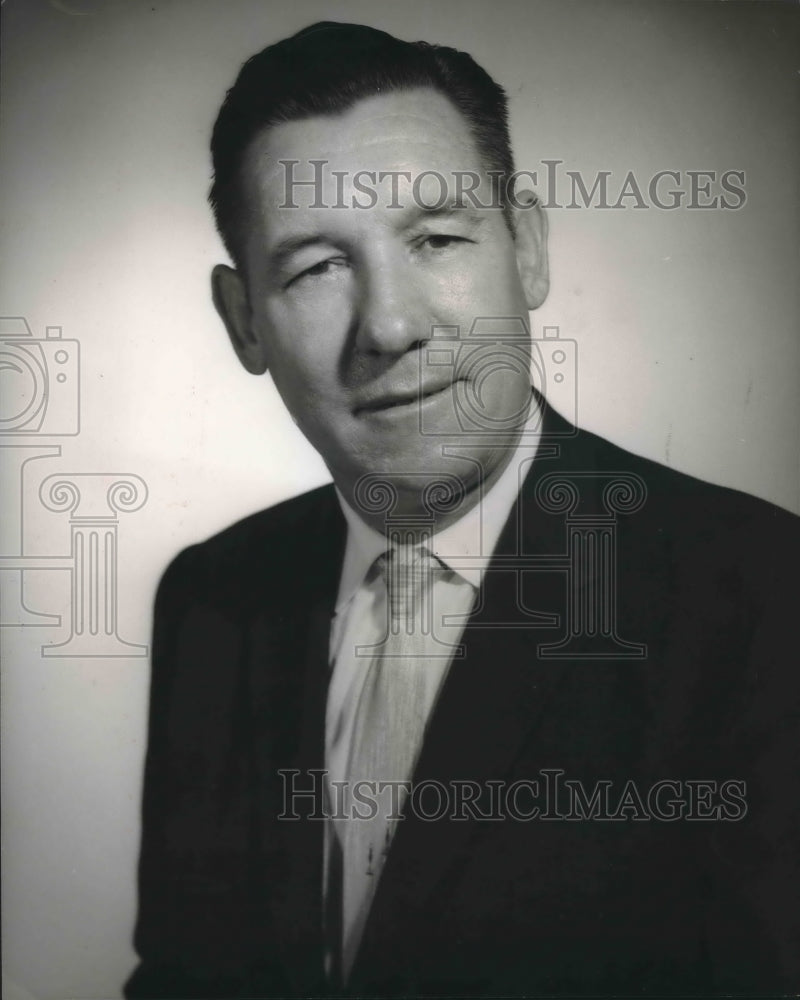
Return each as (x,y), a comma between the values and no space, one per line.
(230,299)
(531,246)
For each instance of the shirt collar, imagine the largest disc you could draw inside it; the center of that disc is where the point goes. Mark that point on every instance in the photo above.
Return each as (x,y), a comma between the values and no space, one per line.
(467,545)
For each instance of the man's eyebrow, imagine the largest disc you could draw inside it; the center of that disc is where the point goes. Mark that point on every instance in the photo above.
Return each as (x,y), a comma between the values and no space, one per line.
(289,245)
(455,209)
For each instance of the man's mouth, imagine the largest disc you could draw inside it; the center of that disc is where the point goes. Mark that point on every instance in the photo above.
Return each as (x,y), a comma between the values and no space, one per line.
(398,399)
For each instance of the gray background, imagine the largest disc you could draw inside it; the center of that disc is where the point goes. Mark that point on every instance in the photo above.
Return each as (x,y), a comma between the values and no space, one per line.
(686,325)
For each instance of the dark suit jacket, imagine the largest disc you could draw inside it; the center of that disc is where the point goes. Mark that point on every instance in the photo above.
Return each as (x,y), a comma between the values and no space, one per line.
(231,895)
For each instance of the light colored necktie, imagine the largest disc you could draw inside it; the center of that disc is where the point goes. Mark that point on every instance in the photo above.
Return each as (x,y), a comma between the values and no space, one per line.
(389,726)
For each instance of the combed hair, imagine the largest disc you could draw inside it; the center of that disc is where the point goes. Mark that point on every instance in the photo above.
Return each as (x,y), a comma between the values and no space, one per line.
(324,70)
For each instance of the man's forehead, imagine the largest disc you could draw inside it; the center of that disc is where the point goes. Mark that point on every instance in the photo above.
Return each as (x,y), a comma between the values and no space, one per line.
(411,130)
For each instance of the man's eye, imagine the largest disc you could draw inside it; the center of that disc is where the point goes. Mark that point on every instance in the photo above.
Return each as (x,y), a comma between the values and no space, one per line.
(442,241)
(316,270)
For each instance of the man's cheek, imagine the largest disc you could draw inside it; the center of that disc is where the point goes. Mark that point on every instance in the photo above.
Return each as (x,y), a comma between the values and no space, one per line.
(451,294)
(485,292)
(315,403)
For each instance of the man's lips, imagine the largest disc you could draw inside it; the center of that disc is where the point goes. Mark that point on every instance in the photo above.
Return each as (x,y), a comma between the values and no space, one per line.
(396,398)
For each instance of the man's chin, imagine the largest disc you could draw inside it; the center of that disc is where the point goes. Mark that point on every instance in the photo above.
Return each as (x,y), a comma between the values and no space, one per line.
(426,485)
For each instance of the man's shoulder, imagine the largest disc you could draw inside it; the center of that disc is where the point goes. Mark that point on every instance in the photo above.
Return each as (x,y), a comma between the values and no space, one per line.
(680,498)
(275,545)
(668,518)
(279,524)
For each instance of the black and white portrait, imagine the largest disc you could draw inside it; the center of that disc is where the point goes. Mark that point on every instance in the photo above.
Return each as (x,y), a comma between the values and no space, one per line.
(399,484)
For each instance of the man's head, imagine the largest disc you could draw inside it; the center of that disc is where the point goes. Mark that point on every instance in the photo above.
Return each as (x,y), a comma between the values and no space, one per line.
(342,284)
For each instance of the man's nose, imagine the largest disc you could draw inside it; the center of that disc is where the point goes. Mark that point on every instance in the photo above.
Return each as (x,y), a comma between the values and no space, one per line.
(390,318)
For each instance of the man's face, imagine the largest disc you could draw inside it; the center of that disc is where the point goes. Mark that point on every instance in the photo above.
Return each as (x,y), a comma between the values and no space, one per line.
(342,302)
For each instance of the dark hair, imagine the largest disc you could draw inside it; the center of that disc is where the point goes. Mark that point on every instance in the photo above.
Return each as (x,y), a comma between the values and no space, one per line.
(324,70)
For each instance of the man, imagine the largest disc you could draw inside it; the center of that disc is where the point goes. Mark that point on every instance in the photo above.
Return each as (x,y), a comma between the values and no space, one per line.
(583,655)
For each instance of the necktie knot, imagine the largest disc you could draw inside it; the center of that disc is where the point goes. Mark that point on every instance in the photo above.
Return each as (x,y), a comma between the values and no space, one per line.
(406,571)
